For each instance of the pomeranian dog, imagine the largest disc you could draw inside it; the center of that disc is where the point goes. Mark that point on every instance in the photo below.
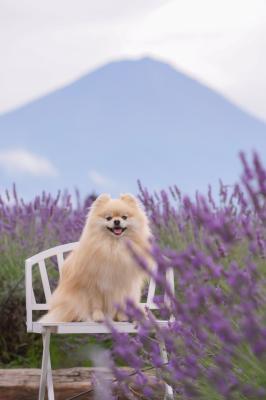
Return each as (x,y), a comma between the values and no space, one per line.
(101,273)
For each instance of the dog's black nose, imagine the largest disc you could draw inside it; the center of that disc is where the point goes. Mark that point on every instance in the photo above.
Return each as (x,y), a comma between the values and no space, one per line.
(116,222)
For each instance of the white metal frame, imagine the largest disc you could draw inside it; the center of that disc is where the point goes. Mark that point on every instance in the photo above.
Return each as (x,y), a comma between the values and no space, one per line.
(46,329)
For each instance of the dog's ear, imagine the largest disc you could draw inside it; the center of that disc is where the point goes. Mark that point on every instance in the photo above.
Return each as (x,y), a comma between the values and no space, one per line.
(129,198)
(103,198)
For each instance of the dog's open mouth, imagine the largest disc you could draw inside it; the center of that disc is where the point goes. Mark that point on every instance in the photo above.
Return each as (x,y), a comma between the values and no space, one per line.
(117,230)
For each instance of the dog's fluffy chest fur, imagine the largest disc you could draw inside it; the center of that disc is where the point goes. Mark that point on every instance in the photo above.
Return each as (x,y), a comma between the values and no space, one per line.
(111,266)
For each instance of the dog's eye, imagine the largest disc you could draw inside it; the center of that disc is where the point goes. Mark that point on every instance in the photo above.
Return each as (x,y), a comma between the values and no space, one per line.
(124,217)
(108,218)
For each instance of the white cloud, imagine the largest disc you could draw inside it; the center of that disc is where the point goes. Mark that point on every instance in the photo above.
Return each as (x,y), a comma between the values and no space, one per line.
(45,45)
(220,43)
(100,180)
(22,161)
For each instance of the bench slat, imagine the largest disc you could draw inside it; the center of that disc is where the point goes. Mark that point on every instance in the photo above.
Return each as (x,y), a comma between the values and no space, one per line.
(60,261)
(151,293)
(45,280)
(87,327)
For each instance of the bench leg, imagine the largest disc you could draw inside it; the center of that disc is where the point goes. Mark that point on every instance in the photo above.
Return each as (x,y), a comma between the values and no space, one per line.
(50,385)
(169,393)
(46,372)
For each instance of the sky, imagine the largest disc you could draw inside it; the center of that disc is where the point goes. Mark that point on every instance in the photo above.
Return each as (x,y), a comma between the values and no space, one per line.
(45,45)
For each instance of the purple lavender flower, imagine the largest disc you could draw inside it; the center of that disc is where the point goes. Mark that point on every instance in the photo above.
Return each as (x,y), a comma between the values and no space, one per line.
(219,300)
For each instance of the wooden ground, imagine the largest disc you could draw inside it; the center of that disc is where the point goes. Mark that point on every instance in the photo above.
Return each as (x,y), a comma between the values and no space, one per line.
(23,384)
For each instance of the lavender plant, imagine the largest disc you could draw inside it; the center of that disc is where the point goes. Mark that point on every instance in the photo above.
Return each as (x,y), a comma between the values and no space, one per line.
(25,229)
(216,338)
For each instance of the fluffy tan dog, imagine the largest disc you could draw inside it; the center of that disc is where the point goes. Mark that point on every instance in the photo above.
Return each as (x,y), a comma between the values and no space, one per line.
(101,272)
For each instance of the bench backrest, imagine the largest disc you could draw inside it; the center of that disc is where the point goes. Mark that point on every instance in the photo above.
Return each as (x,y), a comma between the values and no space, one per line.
(58,253)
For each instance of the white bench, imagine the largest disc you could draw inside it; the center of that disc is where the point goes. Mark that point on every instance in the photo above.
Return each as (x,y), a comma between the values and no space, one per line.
(70,327)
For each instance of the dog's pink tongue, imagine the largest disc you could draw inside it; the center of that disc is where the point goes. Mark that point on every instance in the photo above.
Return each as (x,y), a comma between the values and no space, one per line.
(118,231)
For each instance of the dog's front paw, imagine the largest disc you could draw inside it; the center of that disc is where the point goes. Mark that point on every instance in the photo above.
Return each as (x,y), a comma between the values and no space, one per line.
(120,316)
(98,316)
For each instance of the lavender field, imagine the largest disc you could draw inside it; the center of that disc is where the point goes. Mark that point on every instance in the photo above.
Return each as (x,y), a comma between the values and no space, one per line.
(217,338)
(25,229)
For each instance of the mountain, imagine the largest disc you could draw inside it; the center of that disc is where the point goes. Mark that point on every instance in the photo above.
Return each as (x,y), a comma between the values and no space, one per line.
(128,120)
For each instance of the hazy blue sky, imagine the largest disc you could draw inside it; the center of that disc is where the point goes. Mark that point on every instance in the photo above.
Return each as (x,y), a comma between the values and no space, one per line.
(127,120)
(46,44)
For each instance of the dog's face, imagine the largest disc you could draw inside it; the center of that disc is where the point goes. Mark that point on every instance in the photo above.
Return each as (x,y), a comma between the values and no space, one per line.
(118,217)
